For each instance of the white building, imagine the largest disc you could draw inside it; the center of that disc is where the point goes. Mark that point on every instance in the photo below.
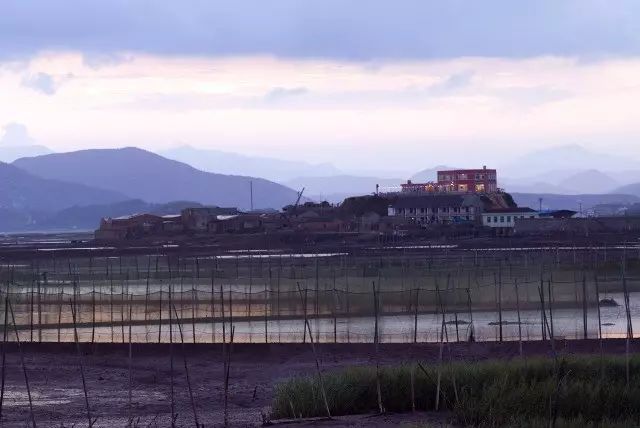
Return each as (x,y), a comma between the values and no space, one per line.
(505,218)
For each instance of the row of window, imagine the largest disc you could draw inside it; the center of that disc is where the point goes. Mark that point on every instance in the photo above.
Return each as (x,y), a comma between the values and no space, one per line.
(502,218)
(448,177)
(434,219)
(436,210)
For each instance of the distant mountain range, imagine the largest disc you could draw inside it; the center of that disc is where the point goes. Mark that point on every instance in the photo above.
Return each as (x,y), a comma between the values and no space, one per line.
(222,162)
(571,158)
(10,153)
(26,199)
(76,189)
(144,175)
(21,190)
(88,217)
(349,185)
(571,202)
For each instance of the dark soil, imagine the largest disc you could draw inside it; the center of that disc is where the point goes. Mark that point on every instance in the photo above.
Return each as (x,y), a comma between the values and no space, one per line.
(58,397)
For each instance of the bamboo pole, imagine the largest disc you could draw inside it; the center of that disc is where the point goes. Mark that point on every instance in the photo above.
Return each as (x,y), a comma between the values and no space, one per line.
(415,316)
(4,350)
(628,316)
(315,355)
(599,327)
(500,300)
(80,362)
(130,407)
(24,367)
(186,370)
(543,316)
(376,339)
(584,306)
(227,370)
(213,307)
(173,406)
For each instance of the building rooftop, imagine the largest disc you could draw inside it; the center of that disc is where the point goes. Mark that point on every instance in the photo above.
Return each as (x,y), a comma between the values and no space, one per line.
(510,210)
(435,201)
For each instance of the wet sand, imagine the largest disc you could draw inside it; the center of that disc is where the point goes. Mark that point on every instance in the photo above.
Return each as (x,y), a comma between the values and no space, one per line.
(58,397)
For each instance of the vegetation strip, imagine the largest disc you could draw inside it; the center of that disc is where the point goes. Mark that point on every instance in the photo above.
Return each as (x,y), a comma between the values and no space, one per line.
(579,391)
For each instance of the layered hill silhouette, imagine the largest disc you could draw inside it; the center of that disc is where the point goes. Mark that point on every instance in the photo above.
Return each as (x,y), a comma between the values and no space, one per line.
(140,174)
(222,162)
(21,190)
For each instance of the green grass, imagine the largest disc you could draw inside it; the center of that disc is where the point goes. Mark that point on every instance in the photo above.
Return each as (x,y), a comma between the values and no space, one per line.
(582,392)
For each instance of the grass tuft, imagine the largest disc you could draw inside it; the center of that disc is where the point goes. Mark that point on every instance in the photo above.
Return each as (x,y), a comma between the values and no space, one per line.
(580,391)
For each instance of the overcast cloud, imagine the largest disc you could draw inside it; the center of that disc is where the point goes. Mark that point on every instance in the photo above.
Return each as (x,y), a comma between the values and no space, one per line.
(414,83)
(338,29)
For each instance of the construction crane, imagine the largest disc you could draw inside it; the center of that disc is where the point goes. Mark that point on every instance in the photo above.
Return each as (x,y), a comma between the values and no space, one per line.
(295,206)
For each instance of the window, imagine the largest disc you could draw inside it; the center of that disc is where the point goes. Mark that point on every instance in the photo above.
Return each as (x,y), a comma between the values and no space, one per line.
(508,219)
(489,219)
(501,219)
(480,188)
(495,219)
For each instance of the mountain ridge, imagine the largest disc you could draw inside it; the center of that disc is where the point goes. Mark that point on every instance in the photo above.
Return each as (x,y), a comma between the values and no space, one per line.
(141,174)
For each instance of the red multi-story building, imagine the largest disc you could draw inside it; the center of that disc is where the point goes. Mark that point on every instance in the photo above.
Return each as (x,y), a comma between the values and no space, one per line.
(459,181)
(469,180)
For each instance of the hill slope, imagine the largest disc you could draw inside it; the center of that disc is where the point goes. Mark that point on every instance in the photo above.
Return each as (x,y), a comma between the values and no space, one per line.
(631,189)
(144,175)
(232,163)
(571,202)
(22,191)
(88,217)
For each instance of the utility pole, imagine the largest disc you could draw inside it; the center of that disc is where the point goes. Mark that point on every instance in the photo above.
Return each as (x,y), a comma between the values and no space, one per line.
(251,193)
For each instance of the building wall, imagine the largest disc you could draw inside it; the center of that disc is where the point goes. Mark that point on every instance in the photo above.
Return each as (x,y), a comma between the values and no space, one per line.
(505,219)
(469,180)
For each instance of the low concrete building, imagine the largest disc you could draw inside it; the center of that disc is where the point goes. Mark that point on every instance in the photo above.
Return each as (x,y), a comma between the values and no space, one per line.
(506,217)
(131,226)
(198,219)
(438,208)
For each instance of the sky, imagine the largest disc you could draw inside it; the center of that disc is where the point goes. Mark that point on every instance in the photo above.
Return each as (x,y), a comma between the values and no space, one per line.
(364,84)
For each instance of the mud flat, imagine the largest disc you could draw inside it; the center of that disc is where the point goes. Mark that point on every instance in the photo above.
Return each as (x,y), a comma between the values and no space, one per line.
(58,396)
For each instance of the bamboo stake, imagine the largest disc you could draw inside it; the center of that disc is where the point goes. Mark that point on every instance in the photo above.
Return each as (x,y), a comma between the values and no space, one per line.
(173,408)
(315,355)
(376,339)
(441,350)
(628,315)
(469,304)
(543,316)
(584,306)
(415,317)
(227,370)
(213,314)
(519,320)
(304,308)
(186,370)
(500,300)
(4,350)
(550,297)
(599,327)
(80,363)
(130,366)
(24,367)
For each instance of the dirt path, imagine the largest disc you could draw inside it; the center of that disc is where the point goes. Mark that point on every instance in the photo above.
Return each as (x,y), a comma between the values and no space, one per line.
(58,396)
